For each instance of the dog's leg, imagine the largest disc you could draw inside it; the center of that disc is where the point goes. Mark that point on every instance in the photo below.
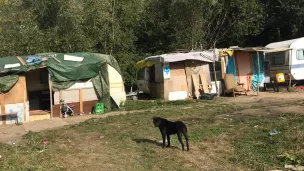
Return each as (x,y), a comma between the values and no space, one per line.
(186,137)
(179,135)
(168,138)
(164,140)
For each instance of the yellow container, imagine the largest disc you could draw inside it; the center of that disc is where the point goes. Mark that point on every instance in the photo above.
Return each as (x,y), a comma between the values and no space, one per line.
(280,77)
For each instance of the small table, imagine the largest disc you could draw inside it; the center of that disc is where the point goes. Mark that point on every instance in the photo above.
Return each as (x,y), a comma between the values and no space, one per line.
(15,114)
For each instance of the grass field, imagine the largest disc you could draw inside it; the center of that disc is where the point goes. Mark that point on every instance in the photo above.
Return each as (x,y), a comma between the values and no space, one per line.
(223,136)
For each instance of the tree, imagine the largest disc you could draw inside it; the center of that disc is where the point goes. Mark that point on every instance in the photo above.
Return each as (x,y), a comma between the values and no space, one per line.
(19,34)
(283,21)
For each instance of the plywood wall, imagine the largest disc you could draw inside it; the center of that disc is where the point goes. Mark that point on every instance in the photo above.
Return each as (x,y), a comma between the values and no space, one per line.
(72,96)
(195,68)
(15,101)
(16,94)
(177,80)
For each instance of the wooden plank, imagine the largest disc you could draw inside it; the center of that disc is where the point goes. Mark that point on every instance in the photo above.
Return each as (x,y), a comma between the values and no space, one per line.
(60,103)
(223,67)
(51,95)
(188,72)
(21,60)
(56,59)
(204,83)
(80,101)
(196,87)
(24,102)
(2,104)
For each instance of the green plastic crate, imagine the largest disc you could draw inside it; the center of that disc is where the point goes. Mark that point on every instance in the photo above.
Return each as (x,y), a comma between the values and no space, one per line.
(99,108)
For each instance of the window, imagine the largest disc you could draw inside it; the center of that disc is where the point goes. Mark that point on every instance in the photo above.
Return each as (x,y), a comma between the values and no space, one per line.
(218,71)
(300,54)
(276,58)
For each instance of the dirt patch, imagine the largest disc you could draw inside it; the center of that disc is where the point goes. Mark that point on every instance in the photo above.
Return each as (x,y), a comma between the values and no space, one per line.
(271,112)
(216,151)
(267,98)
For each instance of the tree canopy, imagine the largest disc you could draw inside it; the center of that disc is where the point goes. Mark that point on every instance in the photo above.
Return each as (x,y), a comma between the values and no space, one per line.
(133,29)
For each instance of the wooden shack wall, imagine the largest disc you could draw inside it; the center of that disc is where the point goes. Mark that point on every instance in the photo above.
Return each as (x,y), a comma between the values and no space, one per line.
(177,79)
(15,101)
(87,108)
(181,76)
(196,68)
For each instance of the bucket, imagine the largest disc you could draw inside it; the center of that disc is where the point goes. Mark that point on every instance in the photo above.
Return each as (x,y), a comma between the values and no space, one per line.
(99,108)
(280,77)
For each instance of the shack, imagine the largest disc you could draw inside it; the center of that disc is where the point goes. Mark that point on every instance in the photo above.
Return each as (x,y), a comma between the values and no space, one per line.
(32,86)
(247,65)
(176,76)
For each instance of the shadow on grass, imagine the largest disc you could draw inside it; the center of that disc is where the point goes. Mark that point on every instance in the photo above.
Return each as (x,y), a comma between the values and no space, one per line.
(144,140)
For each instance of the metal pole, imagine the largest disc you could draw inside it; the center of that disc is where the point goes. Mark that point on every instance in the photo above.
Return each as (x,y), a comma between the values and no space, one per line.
(258,55)
(214,71)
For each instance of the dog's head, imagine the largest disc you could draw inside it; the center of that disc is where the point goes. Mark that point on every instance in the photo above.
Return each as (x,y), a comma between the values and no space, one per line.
(157,121)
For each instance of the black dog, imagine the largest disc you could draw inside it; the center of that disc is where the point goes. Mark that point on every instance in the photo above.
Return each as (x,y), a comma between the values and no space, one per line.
(168,128)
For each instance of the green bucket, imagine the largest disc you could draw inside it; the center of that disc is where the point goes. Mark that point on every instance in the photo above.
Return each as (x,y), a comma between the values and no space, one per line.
(99,108)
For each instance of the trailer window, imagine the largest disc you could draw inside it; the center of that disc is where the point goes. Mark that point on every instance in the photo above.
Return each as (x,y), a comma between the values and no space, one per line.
(276,58)
(300,54)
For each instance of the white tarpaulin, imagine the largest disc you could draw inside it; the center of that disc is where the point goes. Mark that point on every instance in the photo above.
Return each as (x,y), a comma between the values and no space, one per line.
(206,56)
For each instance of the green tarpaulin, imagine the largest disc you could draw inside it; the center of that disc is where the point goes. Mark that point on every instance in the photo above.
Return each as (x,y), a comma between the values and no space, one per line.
(64,74)
(7,82)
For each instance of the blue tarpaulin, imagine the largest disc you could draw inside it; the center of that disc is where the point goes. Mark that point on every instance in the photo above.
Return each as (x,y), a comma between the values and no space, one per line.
(231,67)
(256,71)
(33,60)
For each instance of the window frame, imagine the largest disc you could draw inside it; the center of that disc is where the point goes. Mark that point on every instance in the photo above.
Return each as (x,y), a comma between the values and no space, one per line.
(297,51)
(273,58)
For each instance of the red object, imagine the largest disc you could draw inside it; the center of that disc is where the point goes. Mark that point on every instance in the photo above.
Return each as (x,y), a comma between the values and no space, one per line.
(299,87)
(45,142)
(71,105)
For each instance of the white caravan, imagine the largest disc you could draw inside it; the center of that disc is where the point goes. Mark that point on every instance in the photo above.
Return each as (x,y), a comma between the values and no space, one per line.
(289,61)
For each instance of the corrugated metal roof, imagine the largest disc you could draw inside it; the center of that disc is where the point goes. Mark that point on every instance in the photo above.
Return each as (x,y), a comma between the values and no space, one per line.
(206,56)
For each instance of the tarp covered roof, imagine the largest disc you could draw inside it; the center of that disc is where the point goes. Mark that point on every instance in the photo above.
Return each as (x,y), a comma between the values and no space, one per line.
(205,56)
(88,59)
(64,72)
